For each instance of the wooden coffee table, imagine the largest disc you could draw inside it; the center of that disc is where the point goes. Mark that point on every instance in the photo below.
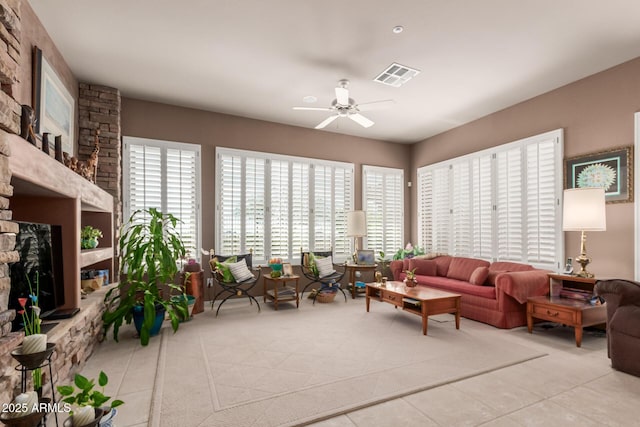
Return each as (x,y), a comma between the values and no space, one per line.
(418,300)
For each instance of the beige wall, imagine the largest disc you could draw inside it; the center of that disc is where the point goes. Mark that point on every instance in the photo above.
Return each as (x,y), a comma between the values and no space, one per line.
(210,130)
(34,34)
(596,113)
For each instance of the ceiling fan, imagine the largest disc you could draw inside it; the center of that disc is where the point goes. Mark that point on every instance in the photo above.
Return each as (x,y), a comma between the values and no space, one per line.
(343,106)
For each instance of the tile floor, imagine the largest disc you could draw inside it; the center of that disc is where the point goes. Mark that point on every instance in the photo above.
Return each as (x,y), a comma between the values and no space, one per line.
(570,386)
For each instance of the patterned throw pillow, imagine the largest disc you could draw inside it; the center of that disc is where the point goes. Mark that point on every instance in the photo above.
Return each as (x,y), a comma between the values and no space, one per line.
(325,266)
(223,268)
(240,271)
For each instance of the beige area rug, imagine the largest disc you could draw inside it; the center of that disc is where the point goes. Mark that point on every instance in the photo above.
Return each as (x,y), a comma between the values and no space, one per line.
(296,366)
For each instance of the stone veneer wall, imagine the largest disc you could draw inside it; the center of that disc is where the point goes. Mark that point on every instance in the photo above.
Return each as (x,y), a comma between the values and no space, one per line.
(99,108)
(10,111)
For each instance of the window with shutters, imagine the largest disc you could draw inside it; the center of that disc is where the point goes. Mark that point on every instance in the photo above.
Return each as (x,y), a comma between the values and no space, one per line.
(164,175)
(383,202)
(500,204)
(277,205)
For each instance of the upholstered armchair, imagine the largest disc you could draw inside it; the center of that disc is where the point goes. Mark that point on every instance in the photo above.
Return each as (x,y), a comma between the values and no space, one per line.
(623,323)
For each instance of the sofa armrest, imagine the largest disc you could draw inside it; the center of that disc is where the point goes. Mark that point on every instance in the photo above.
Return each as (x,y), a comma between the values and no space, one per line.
(396,268)
(617,292)
(521,285)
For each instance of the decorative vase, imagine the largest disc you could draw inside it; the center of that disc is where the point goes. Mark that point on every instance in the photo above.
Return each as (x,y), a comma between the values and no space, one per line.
(58,146)
(32,360)
(86,416)
(107,418)
(378,276)
(35,343)
(45,142)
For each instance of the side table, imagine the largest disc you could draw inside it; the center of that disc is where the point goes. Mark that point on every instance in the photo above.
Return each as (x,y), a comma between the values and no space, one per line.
(351,269)
(281,291)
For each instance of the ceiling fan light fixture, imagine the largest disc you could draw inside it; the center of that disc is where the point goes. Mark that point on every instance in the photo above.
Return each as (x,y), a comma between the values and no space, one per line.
(397,29)
(309,99)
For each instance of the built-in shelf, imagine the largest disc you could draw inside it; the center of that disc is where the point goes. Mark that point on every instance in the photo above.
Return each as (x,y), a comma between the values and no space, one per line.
(92,256)
(46,191)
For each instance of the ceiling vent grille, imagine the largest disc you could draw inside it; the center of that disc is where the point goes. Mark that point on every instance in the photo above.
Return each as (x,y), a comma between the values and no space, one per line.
(396,75)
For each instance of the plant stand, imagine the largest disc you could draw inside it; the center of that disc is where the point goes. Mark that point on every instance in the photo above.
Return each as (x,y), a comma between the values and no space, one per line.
(23,383)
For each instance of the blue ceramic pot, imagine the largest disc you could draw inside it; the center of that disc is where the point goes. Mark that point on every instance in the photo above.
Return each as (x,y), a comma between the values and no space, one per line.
(138,318)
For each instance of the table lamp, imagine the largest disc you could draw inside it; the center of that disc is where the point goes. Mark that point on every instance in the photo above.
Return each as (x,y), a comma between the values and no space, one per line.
(584,210)
(356,225)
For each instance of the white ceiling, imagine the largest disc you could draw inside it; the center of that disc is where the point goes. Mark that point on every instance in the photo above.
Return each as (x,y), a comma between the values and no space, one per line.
(259,58)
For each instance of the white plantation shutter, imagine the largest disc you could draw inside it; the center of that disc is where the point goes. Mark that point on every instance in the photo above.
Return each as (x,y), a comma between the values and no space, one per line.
(254,208)
(383,202)
(541,202)
(441,215)
(461,214)
(323,208)
(343,203)
(425,208)
(164,175)
(283,204)
(230,204)
(300,203)
(183,195)
(482,207)
(509,205)
(279,209)
(503,203)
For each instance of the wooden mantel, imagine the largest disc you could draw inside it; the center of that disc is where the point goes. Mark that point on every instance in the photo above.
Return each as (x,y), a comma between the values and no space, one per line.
(46,191)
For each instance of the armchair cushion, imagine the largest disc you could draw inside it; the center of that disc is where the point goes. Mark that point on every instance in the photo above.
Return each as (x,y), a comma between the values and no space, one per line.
(240,271)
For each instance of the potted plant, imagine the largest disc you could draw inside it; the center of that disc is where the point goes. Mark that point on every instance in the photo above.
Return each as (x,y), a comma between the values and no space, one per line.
(408,251)
(410,280)
(150,249)
(89,237)
(383,263)
(89,403)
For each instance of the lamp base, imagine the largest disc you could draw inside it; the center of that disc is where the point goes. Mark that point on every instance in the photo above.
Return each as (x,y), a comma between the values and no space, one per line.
(584,260)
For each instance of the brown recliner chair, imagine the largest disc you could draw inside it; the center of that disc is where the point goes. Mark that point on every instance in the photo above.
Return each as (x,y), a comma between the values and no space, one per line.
(623,323)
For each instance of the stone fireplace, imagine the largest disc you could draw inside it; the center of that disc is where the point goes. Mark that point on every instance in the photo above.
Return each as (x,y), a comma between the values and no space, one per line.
(98,108)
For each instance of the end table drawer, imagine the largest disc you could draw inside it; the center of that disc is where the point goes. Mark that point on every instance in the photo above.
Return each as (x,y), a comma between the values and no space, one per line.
(391,297)
(554,314)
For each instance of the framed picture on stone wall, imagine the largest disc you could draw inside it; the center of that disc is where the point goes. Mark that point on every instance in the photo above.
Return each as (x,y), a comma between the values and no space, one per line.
(54,105)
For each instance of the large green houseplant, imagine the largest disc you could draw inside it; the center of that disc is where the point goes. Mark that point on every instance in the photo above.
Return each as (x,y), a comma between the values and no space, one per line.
(150,249)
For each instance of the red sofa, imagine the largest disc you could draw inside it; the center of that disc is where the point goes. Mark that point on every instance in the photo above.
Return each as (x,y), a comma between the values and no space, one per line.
(494,293)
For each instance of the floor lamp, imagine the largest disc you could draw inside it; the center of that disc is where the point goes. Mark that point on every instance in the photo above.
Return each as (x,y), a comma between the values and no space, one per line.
(356,226)
(584,210)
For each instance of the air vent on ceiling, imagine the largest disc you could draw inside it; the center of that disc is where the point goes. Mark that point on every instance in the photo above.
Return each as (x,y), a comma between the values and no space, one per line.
(396,75)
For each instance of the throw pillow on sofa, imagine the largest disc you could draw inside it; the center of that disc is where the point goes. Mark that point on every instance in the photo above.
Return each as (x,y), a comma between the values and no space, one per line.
(423,267)
(462,268)
(479,276)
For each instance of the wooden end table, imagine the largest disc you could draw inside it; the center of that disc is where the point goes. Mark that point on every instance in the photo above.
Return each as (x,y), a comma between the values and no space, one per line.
(418,300)
(281,291)
(571,312)
(351,269)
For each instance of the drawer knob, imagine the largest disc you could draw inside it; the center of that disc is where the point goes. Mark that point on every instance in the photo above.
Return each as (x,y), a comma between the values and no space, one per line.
(554,314)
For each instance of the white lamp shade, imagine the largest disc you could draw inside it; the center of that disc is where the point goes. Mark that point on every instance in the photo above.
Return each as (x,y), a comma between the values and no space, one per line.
(356,224)
(584,210)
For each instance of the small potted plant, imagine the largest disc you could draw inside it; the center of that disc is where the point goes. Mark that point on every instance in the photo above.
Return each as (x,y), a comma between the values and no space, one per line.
(89,237)
(89,403)
(410,280)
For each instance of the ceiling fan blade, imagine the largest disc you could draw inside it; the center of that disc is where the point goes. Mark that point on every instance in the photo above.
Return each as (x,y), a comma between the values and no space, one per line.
(375,105)
(361,120)
(327,121)
(313,108)
(342,95)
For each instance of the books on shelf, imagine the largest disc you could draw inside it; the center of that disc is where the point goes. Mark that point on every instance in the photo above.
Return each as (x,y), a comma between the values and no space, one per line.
(283,292)
(577,294)
(411,301)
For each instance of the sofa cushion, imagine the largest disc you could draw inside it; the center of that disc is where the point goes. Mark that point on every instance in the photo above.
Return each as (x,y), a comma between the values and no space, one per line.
(462,268)
(491,277)
(479,276)
(423,267)
(454,285)
(443,263)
